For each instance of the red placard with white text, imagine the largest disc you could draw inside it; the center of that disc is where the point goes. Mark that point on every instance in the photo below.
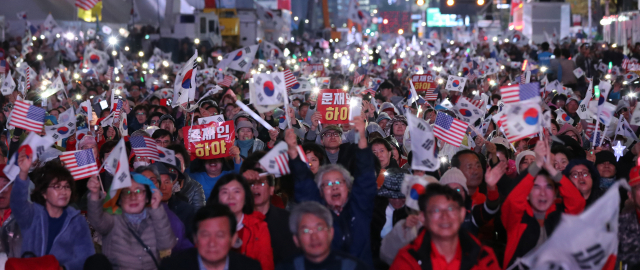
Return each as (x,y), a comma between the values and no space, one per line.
(333,104)
(424,82)
(209,141)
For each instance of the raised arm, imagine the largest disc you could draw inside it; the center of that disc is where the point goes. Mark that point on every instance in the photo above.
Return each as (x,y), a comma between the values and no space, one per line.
(101,221)
(364,186)
(22,209)
(305,188)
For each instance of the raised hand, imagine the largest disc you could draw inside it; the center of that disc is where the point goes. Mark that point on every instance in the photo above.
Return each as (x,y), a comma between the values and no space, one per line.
(156,198)
(94,188)
(24,162)
(493,175)
(291,139)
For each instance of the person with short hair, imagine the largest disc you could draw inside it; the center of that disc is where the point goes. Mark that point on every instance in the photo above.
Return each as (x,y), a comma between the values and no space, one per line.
(443,244)
(312,227)
(162,137)
(214,229)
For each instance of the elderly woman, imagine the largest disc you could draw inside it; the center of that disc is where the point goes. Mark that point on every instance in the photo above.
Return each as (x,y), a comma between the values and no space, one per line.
(396,128)
(50,226)
(247,139)
(351,201)
(524,159)
(141,235)
(254,240)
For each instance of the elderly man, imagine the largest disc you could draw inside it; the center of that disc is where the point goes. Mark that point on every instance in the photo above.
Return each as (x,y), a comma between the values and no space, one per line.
(351,201)
(311,225)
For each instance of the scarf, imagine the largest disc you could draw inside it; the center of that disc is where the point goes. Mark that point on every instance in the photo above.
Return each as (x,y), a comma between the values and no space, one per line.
(136,219)
(245,146)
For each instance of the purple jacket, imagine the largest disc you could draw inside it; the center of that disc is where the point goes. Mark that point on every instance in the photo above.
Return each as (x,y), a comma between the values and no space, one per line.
(178,230)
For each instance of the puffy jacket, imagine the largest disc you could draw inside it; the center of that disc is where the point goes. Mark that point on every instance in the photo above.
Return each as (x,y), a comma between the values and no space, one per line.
(523,229)
(417,255)
(71,247)
(121,247)
(256,240)
(193,191)
(352,226)
(629,238)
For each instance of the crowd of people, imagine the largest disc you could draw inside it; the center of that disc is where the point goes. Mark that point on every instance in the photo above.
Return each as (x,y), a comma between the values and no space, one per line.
(353,197)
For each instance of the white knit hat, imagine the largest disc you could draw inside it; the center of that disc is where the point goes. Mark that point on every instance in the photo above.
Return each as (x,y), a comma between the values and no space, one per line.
(454,175)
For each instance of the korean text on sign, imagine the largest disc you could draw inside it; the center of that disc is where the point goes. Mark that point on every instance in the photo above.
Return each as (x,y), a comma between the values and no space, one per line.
(333,104)
(424,82)
(209,141)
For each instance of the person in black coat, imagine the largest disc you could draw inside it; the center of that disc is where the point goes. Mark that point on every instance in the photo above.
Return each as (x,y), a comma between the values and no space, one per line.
(214,229)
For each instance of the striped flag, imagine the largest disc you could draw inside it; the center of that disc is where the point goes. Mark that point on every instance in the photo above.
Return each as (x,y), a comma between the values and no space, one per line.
(449,129)
(276,161)
(289,79)
(432,95)
(110,74)
(27,117)
(357,78)
(227,81)
(144,147)
(86,4)
(116,109)
(28,73)
(81,164)
(520,92)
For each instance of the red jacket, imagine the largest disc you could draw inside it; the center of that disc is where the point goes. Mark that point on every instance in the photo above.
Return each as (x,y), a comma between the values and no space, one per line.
(256,240)
(417,254)
(523,229)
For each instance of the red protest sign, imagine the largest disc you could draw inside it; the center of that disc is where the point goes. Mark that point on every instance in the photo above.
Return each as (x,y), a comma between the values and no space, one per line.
(209,141)
(333,104)
(424,82)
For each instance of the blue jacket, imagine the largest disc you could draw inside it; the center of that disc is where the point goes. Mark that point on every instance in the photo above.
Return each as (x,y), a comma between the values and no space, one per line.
(352,226)
(73,244)
(208,182)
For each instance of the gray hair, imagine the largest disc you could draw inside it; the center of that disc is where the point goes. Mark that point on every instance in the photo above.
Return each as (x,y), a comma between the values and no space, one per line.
(348,179)
(309,207)
(154,170)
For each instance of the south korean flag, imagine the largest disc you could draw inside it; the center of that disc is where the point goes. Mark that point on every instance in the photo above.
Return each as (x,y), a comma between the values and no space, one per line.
(578,72)
(270,88)
(455,83)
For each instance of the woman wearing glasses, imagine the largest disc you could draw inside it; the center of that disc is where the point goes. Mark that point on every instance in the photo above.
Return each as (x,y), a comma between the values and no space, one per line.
(529,213)
(254,240)
(140,236)
(50,226)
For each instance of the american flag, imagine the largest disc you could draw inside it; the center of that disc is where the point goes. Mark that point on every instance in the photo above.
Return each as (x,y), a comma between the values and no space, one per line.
(86,4)
(116,109)
(478,103)
(144,147)
(81,164)
(27,117)
(591,126)
(227,81)
(282,162)
(520,92)
(289,79)
(3,66)
(357,78)
(449,129)
(432,95)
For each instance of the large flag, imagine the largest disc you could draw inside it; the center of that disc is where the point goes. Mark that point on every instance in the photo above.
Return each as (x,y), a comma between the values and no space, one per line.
(520,92)
(81,164)
(86,4)
(8,85)
(144,147)
(455,83)
(449,129)
(469,111)
(34,146)
(568,248)
(523,120)
(423,145)
(184,87)
(271,89)
(356,15)
(27,117)
(240,59)
(276,161)
(117,164)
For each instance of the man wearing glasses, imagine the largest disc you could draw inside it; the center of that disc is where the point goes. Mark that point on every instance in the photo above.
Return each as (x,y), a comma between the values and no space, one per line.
(312,228)
(442,245)
(331,139)
(139,118)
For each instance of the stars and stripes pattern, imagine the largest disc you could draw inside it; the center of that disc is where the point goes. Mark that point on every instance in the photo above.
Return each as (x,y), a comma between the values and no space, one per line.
(431,96)
(520,92)
(81,164)
(27,117)
(28,73)
(282,162)
(116,109)
(449,129)
(226,81)
(86,4)
(144,147)
(289,79)
(591,126)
